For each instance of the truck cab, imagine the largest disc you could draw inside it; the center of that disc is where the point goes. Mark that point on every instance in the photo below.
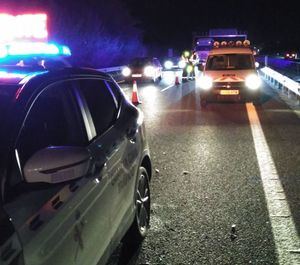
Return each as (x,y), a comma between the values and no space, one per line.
(230,75)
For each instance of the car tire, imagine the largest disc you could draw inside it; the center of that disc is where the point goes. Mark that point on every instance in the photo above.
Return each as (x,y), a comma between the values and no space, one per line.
(140,226)
(131,242)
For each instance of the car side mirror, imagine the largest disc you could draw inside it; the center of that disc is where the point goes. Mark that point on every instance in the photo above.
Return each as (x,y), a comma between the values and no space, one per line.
(57,164)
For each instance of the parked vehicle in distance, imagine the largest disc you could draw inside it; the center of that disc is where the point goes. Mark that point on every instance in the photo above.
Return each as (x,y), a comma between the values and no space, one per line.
(171,63)
(291,55)
(143,68)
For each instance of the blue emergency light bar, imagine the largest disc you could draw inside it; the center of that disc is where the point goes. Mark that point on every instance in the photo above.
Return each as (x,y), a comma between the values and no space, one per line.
(33,49)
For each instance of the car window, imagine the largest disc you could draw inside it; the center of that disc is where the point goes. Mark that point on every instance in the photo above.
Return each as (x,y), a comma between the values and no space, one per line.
(101,102)
(230,62)
(53,120)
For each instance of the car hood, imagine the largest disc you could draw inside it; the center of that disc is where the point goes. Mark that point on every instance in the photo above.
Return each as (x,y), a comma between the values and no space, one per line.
(230,76)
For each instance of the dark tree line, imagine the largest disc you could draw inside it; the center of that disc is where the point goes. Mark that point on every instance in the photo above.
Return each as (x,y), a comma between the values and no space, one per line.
(99,32)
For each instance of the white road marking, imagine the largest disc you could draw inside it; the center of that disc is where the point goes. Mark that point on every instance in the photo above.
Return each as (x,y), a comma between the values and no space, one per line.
(166,88)
(284,231)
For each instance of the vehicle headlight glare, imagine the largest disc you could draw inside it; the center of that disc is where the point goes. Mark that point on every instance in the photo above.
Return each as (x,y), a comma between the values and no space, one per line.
(149,71)
(189,69)
(182,64)
(205,82)
(253,82)
(126,71)
(168,64)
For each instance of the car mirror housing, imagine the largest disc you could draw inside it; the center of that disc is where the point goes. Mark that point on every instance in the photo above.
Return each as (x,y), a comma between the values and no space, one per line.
(57,164)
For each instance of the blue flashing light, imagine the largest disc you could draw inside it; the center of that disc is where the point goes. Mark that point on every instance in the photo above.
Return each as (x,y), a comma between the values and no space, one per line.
(4,74)
(33,48)
(3,52)
(66,50)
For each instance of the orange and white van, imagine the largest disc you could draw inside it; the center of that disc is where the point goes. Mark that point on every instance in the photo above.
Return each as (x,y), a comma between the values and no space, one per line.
(230,74)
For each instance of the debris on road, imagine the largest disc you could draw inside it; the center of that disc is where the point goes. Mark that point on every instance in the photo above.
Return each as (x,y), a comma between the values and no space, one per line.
(157,171)
(185,172)
(233,234)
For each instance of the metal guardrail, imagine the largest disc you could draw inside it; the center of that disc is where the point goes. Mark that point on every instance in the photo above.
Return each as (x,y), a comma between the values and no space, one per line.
(111,69)
(281,81)
(115,72)
(290,68)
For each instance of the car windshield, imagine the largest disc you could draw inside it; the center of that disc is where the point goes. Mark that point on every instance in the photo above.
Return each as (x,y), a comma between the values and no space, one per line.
(140,62)
(229,62)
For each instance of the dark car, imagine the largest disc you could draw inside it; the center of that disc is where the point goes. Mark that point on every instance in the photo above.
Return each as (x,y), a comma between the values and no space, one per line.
(172,63)
(143,68)
(74,168)
(291,55)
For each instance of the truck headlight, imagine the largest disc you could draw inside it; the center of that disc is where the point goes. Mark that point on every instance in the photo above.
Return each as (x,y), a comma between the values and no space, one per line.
(253,82)
(126,71)
(149,71)
(182,64)
(205,82)
(168,64)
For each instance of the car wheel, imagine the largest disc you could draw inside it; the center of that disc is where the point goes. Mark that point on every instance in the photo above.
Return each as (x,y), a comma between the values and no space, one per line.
(140,225)
(142,202)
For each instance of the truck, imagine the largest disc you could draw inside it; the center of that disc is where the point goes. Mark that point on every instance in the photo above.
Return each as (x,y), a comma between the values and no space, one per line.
(203,43)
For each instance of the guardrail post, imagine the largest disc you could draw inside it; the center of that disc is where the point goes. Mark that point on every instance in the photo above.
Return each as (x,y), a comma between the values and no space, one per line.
(266,60)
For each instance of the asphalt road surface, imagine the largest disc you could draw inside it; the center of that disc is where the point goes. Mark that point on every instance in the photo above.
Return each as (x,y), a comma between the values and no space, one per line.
(226,185)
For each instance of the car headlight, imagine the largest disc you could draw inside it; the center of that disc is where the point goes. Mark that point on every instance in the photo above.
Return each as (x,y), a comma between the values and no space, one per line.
(149,71)
(205,82)
(126,71)
(253,82)
(168,64)
(182,64)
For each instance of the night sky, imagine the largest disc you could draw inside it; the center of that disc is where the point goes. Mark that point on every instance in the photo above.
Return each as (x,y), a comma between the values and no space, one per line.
(112,31)
(171,22)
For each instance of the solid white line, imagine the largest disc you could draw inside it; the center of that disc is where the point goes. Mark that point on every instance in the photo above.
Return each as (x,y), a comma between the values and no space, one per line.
(166,88)
(285,235)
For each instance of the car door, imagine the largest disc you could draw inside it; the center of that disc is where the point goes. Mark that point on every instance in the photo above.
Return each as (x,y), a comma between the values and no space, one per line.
(111,146)
(54,221)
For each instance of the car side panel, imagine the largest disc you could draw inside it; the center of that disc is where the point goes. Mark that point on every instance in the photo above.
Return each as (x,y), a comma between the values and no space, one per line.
(63,236)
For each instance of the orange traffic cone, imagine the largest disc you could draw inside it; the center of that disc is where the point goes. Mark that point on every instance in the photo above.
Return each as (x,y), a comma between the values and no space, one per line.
(177,80)
(135,98)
